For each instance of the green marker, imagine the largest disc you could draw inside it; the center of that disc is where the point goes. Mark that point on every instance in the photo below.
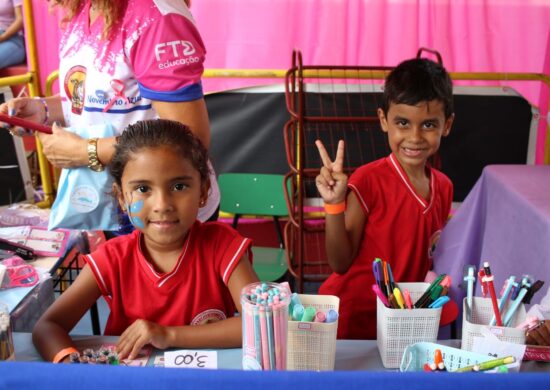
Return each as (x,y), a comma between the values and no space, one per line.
(488,365)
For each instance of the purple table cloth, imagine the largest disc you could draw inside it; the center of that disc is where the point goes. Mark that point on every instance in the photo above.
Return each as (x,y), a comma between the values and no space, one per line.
(505,220)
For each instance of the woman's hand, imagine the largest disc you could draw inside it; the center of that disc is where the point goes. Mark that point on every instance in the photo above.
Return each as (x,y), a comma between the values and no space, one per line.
(332,181)
(64,149)
(25,108)
(139,334)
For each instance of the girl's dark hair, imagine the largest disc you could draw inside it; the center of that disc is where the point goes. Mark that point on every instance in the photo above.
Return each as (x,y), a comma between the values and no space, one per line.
(418,80)
(155,133)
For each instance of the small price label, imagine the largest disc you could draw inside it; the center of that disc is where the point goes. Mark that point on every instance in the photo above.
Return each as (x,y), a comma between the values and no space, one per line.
(191,359)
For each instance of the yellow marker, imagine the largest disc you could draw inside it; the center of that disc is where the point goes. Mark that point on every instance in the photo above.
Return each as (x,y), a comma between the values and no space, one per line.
(399,298)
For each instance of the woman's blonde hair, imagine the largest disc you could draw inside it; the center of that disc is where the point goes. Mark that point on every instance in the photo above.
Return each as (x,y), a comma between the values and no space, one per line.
(112,11)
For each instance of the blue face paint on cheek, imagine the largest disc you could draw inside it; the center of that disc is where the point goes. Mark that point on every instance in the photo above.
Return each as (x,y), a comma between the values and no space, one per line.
(134,208)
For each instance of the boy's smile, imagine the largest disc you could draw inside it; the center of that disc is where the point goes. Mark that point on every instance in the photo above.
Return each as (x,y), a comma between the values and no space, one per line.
(414,132)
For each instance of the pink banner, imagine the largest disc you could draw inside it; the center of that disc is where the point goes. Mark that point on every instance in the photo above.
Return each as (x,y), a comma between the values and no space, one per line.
(471,35)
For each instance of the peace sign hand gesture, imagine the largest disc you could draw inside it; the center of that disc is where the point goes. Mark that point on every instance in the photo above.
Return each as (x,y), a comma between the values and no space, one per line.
(332,182)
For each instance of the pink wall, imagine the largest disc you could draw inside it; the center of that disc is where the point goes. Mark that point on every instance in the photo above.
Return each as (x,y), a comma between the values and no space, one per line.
(471,35)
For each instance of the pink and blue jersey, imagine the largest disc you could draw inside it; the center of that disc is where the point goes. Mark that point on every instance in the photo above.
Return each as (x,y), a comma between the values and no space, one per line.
(154,53)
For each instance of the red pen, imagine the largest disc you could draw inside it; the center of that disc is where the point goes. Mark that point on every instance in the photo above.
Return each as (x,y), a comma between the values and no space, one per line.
(482,283)
(488,279)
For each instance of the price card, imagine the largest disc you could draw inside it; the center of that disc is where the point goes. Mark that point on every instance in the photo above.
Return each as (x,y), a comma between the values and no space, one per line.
(490,345)
(191,359)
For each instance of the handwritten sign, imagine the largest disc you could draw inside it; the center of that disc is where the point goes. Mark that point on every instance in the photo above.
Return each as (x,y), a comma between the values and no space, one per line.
(186,358)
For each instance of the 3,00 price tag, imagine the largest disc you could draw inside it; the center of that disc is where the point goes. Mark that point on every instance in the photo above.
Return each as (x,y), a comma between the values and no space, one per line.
(191,359)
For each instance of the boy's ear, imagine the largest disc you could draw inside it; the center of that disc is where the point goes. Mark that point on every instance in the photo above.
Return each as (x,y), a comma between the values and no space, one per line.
(117,193)
(383,120)
(448,125)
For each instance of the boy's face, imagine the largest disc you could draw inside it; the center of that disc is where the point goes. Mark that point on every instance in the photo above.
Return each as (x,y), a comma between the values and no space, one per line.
(414,132)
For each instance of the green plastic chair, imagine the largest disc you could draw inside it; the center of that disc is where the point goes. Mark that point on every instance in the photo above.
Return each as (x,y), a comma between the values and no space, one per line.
(259,195)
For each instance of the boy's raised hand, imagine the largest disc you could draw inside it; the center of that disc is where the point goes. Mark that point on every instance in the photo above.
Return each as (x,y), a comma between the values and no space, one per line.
(332,182)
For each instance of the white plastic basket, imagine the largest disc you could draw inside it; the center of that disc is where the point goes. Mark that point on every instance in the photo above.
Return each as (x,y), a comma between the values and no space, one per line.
(398,328)
(312,345)
(416,355)
(482,313)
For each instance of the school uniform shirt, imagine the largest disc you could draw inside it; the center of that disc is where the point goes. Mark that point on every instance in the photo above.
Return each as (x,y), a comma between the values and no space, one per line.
(154,53)
(195,291)
(401,228)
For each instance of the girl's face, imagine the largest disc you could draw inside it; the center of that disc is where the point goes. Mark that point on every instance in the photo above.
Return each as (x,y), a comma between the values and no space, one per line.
(162,193)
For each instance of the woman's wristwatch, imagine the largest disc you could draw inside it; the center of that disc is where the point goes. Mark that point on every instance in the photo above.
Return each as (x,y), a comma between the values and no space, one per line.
(93,161)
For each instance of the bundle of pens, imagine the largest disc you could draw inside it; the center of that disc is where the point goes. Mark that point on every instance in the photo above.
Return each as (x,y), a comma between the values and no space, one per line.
(507,312)
(6,340)
(312,332)
(265,325)
(100,356)
(391,295)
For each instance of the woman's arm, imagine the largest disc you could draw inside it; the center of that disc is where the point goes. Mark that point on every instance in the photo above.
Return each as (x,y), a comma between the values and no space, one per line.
(222,334)
(15,27)
(51,333)
(192,114)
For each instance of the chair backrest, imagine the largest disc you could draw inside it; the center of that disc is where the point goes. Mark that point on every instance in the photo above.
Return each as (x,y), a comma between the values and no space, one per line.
(252,194)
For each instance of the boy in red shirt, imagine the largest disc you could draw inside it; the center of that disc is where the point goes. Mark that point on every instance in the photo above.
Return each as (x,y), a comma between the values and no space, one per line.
(393,208)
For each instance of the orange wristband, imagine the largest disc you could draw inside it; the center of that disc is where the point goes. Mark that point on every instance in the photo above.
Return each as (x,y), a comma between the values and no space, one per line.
(334,209)
(63,354)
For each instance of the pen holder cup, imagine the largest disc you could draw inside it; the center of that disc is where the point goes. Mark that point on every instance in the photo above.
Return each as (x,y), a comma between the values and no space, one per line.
(416,355)
(7,351)
(265,326)
(312,345)
(482,313)
(398,328)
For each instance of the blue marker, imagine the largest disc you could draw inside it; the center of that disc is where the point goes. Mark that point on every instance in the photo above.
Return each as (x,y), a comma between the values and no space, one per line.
(439,302)
(525,286)
(297,312)
(332,316)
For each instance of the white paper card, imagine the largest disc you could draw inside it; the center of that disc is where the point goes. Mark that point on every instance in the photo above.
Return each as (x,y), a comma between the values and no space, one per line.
(186,358)
(496,348)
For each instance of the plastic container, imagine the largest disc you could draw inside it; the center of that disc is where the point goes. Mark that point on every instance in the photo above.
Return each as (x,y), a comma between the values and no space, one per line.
(312,345)
(398,328)
(265,326)
(416,355)
(482,312)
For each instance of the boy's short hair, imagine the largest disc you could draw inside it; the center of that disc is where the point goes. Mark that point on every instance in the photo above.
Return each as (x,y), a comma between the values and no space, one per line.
(418,80)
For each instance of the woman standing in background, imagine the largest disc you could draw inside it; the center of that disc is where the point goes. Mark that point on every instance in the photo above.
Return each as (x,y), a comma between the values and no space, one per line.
(121,62)
(12,42)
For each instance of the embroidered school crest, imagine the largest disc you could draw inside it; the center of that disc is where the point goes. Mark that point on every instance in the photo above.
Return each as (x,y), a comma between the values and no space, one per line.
(74,83)
(208,316)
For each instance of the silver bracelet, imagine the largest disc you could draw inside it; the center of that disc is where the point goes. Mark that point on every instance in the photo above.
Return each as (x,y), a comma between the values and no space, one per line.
(46,110)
